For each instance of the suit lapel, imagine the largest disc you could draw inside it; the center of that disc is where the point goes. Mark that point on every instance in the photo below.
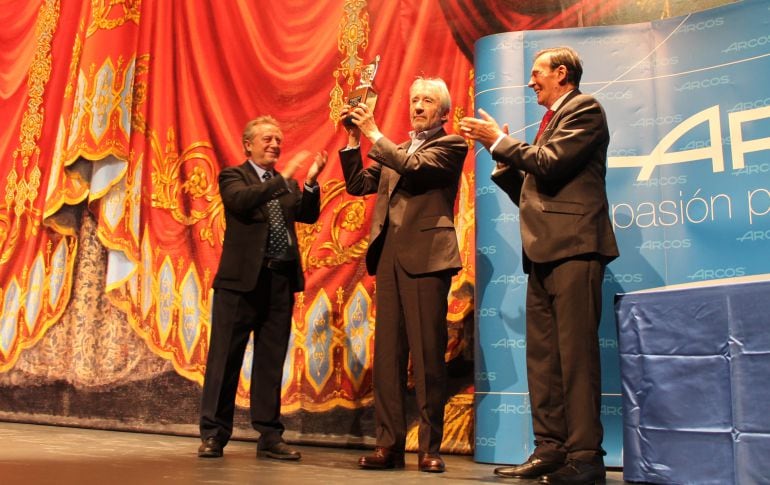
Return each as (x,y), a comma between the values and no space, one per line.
(393,176)
(253,177)
(251,173)
(556,117)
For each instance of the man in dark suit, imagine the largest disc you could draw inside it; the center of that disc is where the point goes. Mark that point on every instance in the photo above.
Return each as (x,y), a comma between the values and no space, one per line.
(254,287)
(558,184)
(413,252)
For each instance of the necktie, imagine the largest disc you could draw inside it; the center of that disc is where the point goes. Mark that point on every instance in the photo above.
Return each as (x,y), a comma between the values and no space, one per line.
(546,118)
(278,237)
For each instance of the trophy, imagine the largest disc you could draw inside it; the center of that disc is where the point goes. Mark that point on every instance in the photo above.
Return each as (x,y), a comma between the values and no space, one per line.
(364,92)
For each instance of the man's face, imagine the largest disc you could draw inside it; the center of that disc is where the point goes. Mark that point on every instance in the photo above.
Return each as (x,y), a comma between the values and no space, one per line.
(546,81)
(265,145)
(424,107)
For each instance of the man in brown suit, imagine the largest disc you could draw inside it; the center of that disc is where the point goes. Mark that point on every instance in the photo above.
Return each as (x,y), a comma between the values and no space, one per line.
(413,251)
(254,287)
(558,184)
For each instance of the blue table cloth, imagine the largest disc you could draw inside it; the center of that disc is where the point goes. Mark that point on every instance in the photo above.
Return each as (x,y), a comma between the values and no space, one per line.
(695,372)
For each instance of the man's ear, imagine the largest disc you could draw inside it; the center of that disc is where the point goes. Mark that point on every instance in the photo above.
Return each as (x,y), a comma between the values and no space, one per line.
(561,73)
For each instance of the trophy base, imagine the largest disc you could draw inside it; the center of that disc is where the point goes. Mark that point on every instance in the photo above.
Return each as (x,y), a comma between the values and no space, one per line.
(366,95)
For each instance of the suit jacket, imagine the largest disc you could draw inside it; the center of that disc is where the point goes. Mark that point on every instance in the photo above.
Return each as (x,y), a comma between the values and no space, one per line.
(415,200)
(245,198)
(559,184)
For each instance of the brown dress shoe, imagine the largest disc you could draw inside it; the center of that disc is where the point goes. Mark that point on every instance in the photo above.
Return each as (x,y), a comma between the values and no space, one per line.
(532,468)
(210,448)
(382,458)
(279,451)
(431,463)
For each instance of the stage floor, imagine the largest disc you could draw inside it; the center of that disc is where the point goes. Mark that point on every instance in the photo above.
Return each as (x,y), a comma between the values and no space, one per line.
(37,454)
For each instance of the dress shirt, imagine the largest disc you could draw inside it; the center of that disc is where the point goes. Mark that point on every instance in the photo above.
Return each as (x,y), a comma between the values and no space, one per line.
(261,173)
(418,138)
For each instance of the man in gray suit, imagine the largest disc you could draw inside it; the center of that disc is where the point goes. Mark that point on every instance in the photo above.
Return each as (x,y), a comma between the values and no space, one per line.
(413,251)
(558,184)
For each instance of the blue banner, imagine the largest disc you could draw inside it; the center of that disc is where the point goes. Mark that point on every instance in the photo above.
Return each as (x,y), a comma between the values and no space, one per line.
(688,182)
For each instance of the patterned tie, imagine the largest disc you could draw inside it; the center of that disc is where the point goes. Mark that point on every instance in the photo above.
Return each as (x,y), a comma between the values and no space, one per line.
(278,237)
(546,118)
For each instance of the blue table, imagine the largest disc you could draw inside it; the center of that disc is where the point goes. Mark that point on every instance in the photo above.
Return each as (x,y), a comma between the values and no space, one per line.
(695,371)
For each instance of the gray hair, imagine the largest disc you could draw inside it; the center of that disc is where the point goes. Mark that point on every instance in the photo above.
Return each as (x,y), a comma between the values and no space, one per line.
(248,130)
(445,101)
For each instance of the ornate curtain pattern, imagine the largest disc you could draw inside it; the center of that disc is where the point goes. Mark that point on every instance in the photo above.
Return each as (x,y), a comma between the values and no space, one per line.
(130,108)
(35,264)
(118,117)
(136,121)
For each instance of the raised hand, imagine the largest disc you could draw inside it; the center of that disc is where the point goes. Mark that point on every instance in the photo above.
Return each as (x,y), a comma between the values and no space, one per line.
(295,163)
(363,119)
(485,130)
(319,162)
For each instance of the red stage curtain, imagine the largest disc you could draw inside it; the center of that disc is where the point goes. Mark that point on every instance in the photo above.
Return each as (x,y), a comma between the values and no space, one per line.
(134,107)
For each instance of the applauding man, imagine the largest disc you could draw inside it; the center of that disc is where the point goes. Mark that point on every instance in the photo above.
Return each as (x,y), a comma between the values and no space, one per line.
(254,287)
(558,183)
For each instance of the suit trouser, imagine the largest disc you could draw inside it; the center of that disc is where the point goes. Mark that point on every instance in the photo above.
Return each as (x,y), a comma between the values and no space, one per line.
(266,311)
(563,362)
(411,316)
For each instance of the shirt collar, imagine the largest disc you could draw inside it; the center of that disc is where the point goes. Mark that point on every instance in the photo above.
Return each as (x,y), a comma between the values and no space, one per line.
(559,101)
(260,171)
(423,135)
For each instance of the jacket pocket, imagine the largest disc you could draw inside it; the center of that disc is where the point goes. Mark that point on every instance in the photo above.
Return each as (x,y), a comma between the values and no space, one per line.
(562,207)
(435,222)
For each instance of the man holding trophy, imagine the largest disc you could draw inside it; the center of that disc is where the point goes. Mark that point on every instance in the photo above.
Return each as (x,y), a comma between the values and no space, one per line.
(413,252)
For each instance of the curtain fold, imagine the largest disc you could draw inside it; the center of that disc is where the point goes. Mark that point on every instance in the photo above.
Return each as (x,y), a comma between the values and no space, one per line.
(137,106)
(496,16)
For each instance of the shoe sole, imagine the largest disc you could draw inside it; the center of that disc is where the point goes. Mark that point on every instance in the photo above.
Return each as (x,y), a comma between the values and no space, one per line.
(209,454)
(267,454)
(376,467)
(598,481)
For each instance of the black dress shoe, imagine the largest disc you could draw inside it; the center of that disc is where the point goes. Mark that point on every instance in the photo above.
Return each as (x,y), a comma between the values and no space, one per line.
(382,458)
(577,472)
(279,451)
(210,448)
(532,468)
(431,463)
